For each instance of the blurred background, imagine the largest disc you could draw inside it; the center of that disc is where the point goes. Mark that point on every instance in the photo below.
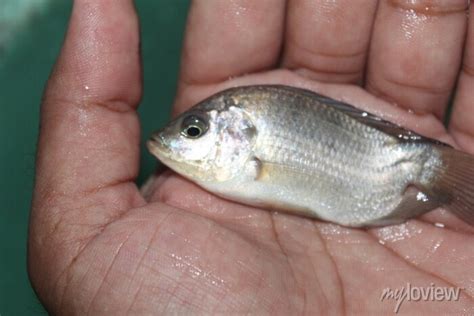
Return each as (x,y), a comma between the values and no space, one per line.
(31,33)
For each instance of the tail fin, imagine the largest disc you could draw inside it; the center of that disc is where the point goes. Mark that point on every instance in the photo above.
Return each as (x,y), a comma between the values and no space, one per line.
(456,183)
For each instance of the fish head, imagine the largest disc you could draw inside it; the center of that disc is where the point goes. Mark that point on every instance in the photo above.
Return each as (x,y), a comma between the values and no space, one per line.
(209,143)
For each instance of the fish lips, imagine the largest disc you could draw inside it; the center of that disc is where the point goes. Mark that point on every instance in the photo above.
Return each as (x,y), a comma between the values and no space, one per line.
(156,144)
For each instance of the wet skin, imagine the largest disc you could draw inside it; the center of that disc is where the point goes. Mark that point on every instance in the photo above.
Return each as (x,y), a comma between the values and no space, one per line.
(98,246)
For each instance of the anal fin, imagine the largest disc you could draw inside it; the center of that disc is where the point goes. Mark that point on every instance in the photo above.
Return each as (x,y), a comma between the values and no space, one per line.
(413,204)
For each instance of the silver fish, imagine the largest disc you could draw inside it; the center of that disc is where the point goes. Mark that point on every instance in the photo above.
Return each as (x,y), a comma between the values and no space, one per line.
(291,149)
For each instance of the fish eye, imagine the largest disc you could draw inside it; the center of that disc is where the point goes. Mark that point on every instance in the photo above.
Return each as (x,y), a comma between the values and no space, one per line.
(193,126)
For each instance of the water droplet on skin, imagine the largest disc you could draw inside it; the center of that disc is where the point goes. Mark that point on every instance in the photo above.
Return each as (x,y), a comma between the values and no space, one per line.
(186,263)
(412,23)
(83,118)
(398,232)
(338,234)
(239,9)
(195,272)
(436,246)
(331,229)
(381,242)
(364,114)
(440,225)
(178,261)
(86,87)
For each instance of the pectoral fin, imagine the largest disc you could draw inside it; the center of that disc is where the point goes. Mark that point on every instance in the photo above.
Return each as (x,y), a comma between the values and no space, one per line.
(272,171)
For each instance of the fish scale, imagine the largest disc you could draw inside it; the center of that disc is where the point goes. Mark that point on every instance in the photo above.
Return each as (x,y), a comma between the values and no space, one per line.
(312,145)
(328,174)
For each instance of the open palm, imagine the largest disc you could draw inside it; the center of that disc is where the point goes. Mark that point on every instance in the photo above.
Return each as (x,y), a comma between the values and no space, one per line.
(98,245)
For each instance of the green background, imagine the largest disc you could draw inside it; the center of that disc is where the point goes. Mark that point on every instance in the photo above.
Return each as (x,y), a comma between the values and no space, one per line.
(24,67)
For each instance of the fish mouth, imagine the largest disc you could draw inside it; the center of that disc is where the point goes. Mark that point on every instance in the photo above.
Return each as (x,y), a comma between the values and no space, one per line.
(156,145)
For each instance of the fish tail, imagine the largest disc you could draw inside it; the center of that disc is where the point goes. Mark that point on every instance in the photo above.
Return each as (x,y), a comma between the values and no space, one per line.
(454,184)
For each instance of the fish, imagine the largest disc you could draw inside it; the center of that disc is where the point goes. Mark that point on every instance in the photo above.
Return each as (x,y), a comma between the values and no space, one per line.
(290,149)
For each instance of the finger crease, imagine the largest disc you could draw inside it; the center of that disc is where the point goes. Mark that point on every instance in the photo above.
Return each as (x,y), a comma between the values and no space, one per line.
(375,90)
(469,71)
(114,105)
(327,54)
(188,81)
(326,71)
(456,129)
(110,184)
(428,8)
(424,89)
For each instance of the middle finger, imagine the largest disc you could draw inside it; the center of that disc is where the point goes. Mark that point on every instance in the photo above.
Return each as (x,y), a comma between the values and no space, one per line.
(327,40)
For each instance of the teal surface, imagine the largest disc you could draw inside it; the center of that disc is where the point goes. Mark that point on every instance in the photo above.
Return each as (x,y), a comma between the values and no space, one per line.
(24,67)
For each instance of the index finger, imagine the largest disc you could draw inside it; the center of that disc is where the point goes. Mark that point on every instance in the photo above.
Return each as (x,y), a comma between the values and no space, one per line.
(229,38)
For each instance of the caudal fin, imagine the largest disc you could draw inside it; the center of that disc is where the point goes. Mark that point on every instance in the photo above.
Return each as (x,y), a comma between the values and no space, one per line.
(456,183)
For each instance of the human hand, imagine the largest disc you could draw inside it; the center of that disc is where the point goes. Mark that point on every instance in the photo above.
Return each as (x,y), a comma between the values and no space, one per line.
(98,246)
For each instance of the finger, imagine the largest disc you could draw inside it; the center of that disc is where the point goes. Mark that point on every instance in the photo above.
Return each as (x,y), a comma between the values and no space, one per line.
(230,38)
(328,40)
(461,126)
(416,52)
(89,138)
